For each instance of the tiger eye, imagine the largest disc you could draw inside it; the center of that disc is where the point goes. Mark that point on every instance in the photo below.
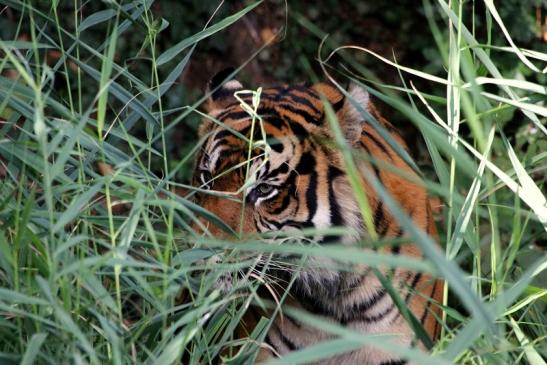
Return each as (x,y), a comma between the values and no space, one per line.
(264,189)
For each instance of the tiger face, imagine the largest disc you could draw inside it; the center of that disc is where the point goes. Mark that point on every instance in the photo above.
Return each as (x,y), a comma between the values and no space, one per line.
(282,171)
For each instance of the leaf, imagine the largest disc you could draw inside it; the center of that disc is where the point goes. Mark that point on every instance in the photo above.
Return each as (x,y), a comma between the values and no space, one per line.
(96,18)
(529,192)
(492,9)
(33,348)
(106,70)
(534,358)
(76,206)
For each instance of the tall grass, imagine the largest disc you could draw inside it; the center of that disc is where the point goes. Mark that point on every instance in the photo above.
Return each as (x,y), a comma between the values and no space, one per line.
(98,262)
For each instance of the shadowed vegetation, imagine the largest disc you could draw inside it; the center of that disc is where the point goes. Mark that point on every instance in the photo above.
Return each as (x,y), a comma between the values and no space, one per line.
(99,109)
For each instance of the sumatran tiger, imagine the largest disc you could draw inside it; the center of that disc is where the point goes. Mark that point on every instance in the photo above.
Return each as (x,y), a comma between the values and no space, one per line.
(303,183)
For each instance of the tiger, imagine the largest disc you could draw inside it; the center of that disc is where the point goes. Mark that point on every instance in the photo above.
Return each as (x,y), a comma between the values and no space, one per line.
(302,182)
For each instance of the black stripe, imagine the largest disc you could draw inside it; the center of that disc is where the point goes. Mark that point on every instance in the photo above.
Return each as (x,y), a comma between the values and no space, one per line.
(371,302)
(436,329)
(222,134)
(315,305)
(379,316)
(302,100)
(282,169)
(284,204)
(396,249)
(306,89)
(286,341)
(272,117)
(263,171)
(429,302)
(289,223)
(297,129)
(241,114)
(306,165)
(278,121)
(235,115)
(311,196)
(276,145)
(335,213)
(270,225)
(217,145)
(394,362)
(339,104)
(358,309)
(268,341)
(400,286)
(381,225)
(335,210)
(415,280)
(302,113)
(377,142)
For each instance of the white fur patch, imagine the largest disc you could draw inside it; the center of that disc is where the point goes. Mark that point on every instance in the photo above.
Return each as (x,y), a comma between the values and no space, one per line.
(359,94)
(351,119)
(233,85)
(321,219)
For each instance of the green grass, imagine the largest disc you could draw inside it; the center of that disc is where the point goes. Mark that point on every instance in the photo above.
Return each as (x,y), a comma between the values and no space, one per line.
(83,281)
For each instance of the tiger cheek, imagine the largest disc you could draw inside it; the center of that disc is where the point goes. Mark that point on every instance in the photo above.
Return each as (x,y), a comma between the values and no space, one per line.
(275,205)
(226,208)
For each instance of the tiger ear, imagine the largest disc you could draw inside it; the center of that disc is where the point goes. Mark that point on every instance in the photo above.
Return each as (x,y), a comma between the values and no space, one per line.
(221,89)
(349,116)
(350,119)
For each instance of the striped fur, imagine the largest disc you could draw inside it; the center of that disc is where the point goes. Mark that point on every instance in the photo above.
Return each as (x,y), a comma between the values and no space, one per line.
(302,185)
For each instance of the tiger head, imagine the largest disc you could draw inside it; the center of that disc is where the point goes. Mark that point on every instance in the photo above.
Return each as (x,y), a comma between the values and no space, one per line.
(281,171)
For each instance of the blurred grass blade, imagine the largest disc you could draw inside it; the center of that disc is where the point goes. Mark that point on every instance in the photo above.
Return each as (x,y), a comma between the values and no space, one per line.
(536,109)
(485,59)
(492,9)
(474,328)
(521,84)
(464,215)
(106,71)
(33,348)
(450,271)
(74,209)
(348,338)
(534,358)
(530,192)
(321,351)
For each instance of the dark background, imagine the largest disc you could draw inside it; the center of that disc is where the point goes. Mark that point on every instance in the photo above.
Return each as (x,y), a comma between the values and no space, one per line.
(394,29)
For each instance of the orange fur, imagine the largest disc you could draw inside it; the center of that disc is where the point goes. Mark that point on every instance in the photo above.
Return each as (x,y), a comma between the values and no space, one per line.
(307,175)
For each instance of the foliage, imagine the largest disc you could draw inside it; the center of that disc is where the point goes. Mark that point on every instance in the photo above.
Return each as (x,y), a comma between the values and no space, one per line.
(98,262)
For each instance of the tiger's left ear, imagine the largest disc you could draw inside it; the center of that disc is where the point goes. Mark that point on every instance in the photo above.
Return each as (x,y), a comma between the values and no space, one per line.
(222,90)
(350,119)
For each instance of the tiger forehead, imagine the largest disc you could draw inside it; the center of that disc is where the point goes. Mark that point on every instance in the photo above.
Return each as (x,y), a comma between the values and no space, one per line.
(229,144)
(279,100)
(288,115)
